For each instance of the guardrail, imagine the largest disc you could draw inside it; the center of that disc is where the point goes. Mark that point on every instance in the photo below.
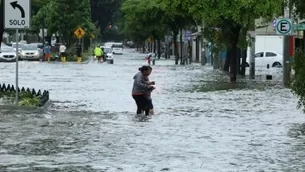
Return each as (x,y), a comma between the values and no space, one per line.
(42,95)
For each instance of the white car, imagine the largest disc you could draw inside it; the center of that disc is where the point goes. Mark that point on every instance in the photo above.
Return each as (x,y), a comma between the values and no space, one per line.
(20,45)
(7,54)
(117,48)
(108,52)
(30,52)
(262,59)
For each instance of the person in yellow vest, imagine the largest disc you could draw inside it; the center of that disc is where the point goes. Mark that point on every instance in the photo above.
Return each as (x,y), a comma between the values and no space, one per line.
(62,51)
(98,53)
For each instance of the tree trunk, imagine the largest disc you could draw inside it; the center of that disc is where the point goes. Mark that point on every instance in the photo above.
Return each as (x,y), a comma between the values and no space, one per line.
(176,48)
(238,56)
(143,47)
(1,20)
(181,48)
(303,40)
(233,54)
(216,60)
(226,66)
(155,44)
(243,62)
(159,47)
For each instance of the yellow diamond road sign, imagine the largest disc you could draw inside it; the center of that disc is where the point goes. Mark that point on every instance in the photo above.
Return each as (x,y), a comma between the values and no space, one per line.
(79,33)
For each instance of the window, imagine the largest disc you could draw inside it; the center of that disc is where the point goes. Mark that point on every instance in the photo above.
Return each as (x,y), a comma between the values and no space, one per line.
(117,46)
(260,54)
(269,54)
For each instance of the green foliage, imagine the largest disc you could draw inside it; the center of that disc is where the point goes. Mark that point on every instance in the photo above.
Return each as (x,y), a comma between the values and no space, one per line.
(63,17)
(299,6)
(25,98)
(144,18)
(138,22)
(235,18)
(30,102)
(105,12)
(298,80)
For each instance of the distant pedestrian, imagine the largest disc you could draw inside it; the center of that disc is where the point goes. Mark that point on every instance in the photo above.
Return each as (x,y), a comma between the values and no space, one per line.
(47,52)
(98,52)
(148,58)
(141,90)
(62,50)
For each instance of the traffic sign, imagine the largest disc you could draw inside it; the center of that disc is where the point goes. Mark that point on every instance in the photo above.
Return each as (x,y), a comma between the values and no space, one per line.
(79,32)
(274,24)
(17,14)
(188,35)
(284,26)
(300,27)
(150,39)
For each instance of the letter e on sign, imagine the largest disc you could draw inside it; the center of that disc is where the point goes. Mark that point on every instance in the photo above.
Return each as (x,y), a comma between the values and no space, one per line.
(17,14)
(283,26)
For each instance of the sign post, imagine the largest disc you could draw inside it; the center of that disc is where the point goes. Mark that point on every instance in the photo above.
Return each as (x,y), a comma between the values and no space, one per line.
(79,33)
(284,27)
(17,15)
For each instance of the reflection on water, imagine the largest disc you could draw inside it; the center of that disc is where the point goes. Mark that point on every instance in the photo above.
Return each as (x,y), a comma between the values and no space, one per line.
(92,127)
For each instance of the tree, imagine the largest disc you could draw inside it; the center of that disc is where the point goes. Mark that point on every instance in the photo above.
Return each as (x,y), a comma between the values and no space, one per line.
(299,7)
(298,80)
(234,18)
(158,16)
(140,20)
(177,16)
(103,12)
(63,17)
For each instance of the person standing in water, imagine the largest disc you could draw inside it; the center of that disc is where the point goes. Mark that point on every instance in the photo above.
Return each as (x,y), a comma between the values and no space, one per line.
(148,95)
(141,89)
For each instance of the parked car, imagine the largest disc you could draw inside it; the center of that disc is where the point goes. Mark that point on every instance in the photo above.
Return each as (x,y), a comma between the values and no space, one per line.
(40,48)
(262,59)
(20,45)
(5,45)
(7,54)
(30,52)
(38,45)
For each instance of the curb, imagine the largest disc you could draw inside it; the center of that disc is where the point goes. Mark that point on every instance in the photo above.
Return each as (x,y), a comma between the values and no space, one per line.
(84,62)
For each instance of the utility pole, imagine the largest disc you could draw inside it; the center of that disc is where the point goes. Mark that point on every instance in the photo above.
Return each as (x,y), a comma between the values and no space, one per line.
(288,50)
(43,28)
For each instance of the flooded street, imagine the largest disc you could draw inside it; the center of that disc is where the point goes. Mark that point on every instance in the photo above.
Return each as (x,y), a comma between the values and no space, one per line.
(91,126)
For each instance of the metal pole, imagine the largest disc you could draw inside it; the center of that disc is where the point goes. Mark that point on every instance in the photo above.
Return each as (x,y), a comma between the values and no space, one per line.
(286,60)
(252,58)
(82,45)
(17,59)
(190,51)
(43,28)
(287,51)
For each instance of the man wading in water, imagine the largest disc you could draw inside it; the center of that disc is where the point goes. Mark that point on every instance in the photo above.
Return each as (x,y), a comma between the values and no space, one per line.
(141,89)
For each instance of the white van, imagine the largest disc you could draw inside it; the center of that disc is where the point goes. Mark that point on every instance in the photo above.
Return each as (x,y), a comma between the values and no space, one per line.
(117,48)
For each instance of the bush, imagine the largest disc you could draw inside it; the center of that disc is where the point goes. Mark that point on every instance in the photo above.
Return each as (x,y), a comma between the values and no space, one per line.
(298,79)
(71,54)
